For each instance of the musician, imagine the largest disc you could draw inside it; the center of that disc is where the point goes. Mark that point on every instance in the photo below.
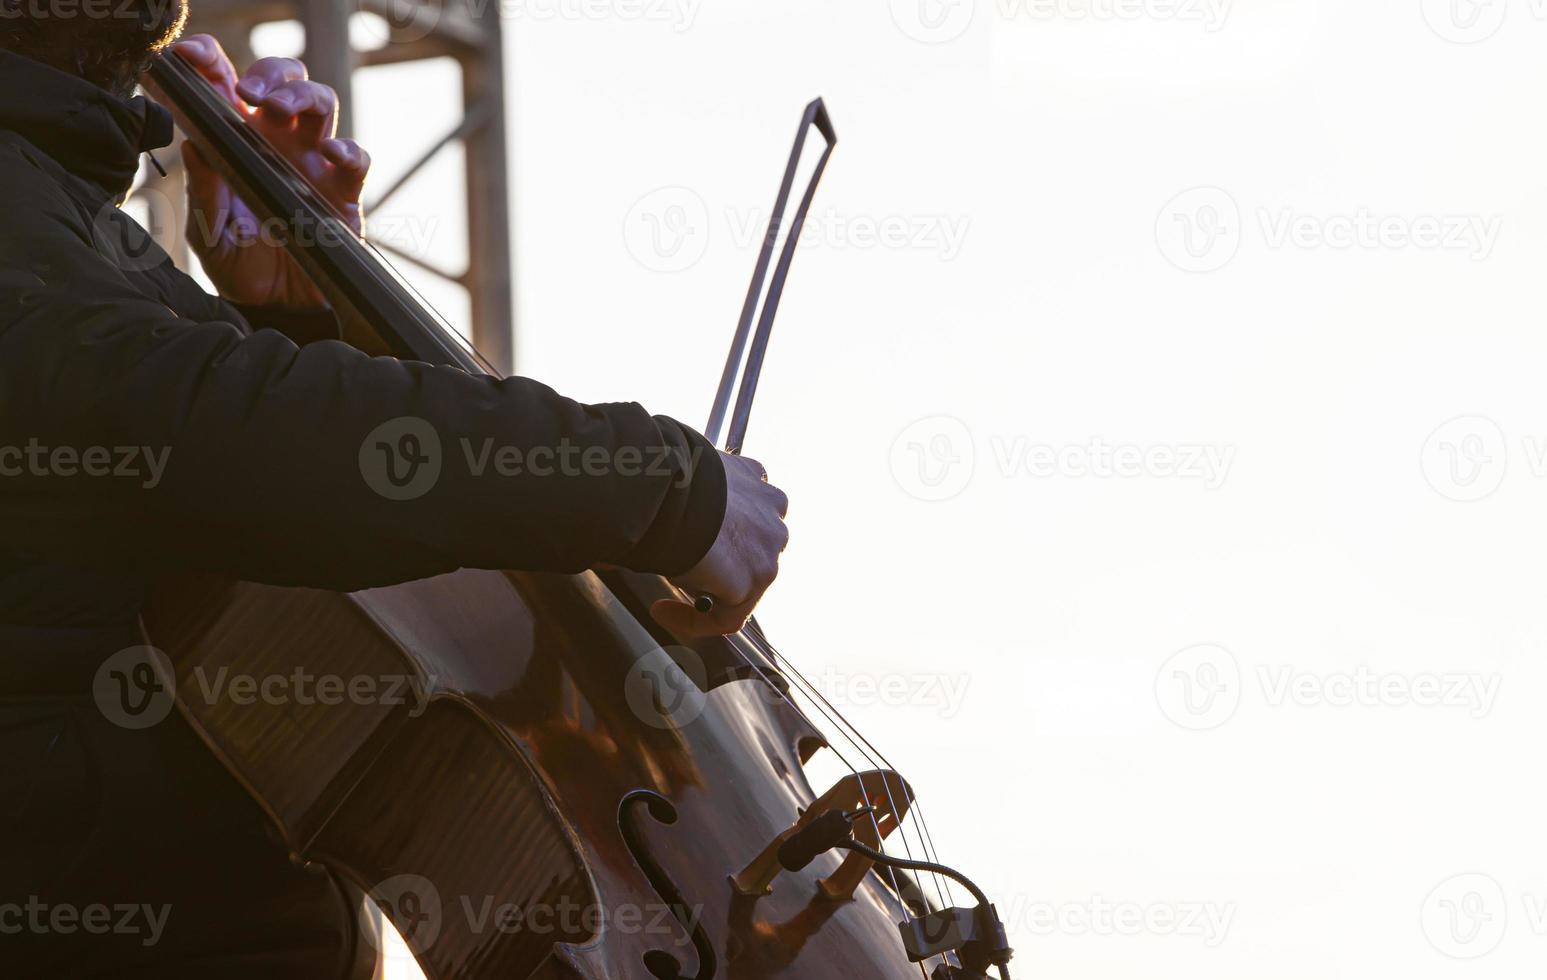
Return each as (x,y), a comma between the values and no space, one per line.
(148,429)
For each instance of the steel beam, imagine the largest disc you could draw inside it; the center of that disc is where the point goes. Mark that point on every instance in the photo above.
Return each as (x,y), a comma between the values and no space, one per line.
(329,57)
(490,279)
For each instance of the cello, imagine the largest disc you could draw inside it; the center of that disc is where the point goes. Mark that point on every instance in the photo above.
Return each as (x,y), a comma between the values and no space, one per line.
(561,788)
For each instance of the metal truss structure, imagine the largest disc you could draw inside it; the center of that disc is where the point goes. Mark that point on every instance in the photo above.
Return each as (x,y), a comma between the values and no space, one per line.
(467,31)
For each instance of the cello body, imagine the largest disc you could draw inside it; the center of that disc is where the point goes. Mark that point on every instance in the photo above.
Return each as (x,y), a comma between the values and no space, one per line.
(472,781)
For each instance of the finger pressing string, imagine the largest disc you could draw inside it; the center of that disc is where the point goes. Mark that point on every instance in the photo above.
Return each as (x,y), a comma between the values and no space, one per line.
(206,55)
(268,74)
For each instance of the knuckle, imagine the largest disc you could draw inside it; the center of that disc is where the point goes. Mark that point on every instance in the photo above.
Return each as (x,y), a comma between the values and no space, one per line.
(302,87)
(326,95)
(206,46)
(289,69)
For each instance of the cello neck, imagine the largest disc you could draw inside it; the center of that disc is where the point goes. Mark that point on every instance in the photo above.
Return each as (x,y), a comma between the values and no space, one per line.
(365,292)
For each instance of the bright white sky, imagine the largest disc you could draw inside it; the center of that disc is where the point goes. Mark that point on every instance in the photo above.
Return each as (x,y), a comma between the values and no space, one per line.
(1270,359)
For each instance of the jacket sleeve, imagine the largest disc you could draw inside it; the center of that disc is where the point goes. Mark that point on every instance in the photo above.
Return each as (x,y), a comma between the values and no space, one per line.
(131,435)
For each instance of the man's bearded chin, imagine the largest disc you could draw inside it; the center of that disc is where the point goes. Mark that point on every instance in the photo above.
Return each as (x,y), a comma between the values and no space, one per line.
(110,46)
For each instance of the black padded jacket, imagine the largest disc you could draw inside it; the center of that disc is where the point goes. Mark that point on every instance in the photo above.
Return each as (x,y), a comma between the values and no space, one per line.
(148,428)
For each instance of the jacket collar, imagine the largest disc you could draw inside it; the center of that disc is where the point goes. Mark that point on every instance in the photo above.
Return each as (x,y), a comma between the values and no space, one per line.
(88,131)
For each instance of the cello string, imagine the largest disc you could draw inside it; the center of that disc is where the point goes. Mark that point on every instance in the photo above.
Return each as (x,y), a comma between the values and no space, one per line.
(929,848)
(835,717)
(875,823)
(815,696)
(831,712)
(926,844)
(872,756)
(755,637)
(812,695)
(926,838)
(870,759)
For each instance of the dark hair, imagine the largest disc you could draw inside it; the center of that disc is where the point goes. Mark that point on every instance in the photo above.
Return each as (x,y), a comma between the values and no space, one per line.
(108,43)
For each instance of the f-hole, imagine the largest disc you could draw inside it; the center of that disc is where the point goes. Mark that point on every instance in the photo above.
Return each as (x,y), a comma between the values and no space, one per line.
(661,964)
